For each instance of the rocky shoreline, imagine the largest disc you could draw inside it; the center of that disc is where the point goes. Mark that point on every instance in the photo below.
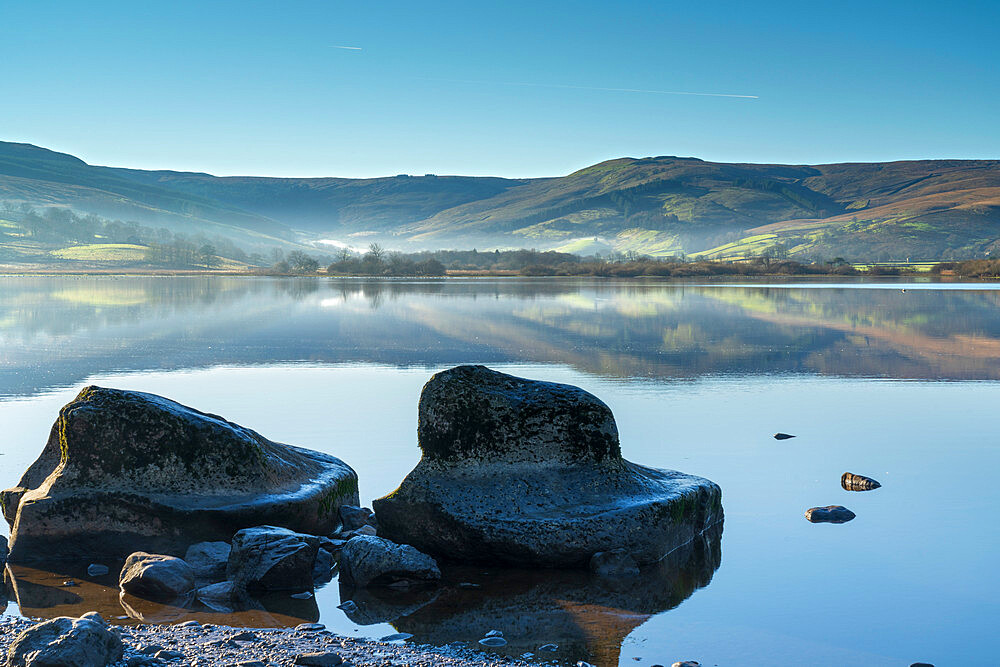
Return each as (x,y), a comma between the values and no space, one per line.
(192,644)
(172,510)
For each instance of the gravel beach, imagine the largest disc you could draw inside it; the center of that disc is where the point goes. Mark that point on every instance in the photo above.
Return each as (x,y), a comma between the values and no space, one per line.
(190,644)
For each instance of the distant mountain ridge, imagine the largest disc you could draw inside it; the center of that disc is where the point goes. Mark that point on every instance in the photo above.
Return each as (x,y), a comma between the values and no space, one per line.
(658,205)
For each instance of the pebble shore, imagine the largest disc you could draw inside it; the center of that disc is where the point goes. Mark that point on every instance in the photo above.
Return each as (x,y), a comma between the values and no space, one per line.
(191,645)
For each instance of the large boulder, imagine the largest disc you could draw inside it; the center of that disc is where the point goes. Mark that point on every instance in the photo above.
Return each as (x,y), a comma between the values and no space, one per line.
(374,561)
(155,577)
(523,472)
(67,642)
(268,558)
(126,471)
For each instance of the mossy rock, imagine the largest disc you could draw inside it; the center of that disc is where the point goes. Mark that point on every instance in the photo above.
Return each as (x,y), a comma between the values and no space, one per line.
(126,471)
(521,472)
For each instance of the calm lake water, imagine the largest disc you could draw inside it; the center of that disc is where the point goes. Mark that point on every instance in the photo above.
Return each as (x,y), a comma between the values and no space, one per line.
(896,381)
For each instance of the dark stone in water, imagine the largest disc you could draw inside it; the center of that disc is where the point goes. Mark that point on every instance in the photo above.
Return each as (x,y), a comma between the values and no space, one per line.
(268,558)
(374,561)
(782,436)
(522,472)
(829,514)
(155,577)
(852,482)
(126,471)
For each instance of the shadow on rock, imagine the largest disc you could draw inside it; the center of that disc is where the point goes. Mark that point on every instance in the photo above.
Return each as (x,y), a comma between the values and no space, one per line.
(585,615)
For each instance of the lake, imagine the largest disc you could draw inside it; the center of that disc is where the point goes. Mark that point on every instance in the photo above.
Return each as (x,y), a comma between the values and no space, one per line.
(897,381)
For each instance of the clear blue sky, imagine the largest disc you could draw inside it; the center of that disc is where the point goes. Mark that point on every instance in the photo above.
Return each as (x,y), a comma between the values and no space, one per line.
(258,87)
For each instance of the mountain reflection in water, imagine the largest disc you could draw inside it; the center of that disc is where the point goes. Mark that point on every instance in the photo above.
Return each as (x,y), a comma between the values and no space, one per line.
(74,327)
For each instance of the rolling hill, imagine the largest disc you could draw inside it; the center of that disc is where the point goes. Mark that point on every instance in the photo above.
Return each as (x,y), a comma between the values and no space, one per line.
(927,209)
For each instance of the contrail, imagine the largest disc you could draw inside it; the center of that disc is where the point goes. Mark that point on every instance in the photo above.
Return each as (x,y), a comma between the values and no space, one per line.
(349,48)
(614,90)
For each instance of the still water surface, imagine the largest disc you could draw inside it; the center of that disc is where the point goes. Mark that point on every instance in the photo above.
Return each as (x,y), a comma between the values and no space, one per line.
(895,381)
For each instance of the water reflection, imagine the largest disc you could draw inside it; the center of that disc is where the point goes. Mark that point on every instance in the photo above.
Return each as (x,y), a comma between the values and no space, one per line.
(586,616)
(41,592)
(73,327)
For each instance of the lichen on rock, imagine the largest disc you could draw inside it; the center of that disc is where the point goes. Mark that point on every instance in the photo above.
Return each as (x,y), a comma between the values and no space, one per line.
(523,472)
(124,471)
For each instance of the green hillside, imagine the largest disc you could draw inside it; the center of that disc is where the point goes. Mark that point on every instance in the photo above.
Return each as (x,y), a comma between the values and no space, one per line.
(664,205)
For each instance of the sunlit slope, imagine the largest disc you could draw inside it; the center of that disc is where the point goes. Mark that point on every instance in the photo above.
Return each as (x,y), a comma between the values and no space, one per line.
(661,206)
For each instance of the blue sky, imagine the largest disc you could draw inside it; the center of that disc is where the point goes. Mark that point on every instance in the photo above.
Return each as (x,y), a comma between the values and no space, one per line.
(507,88)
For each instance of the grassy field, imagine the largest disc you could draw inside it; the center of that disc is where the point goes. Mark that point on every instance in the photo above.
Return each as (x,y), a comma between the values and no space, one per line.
(102,252)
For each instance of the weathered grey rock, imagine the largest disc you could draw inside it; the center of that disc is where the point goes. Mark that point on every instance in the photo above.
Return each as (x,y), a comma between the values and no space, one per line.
(208,560)
(66,642)
(615,563)
(522,472)
(271,558)
(374,561)
(355,517)
(363,530)
(852,482)
(126,471)
(156,577)
(829,514)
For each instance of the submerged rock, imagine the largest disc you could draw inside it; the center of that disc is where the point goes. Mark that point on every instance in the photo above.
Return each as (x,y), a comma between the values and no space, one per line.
(523,472)
(829,514)
(155,577)
(97,570)
(373,561)
(852,482)
(80,642)
(125,471)
(268,558)
(782,436)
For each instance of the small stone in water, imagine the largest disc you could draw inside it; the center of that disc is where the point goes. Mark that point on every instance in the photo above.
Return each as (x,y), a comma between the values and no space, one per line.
(310,627)
(349,606)
(552,647)
(69,583)
(399,636)
(302,596)
(581,663)
(493,633)
(687,663)
(782,436)
(97,570)
(493,641)
(527,656)
(829,514)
